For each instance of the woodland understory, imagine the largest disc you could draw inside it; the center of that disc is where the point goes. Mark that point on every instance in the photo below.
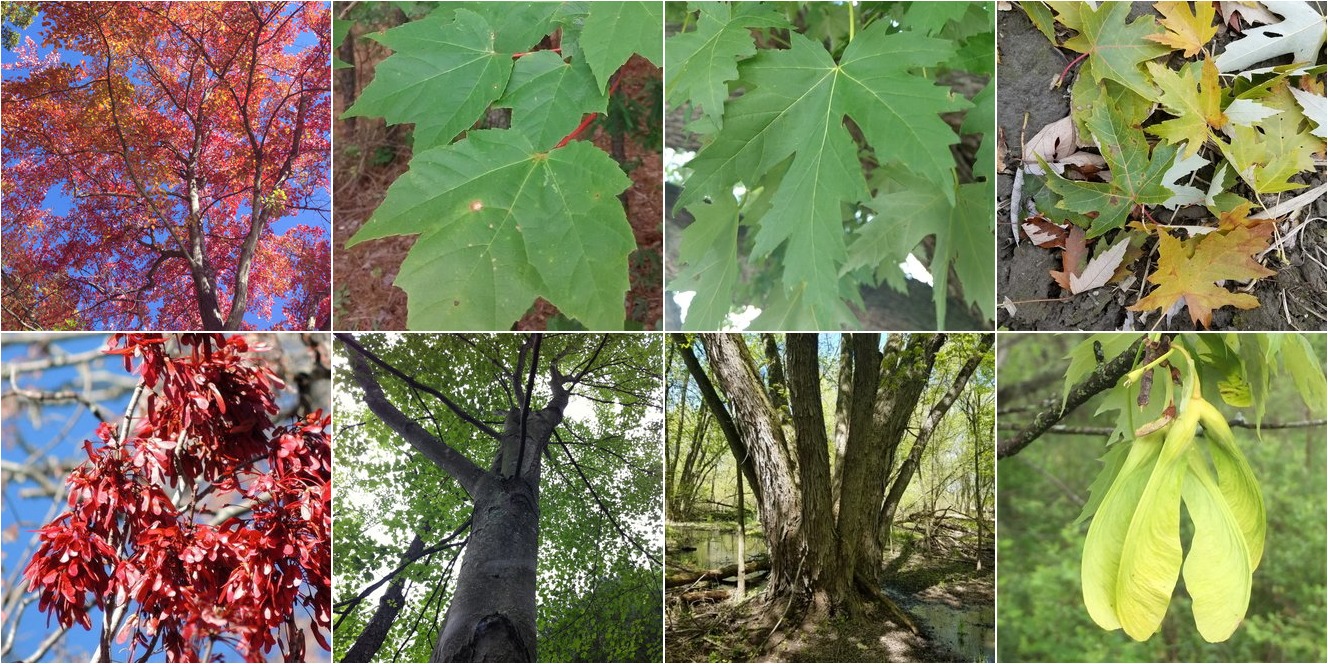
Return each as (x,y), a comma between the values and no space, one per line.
(855,525)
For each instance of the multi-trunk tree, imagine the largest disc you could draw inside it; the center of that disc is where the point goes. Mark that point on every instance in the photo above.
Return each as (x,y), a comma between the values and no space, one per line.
(826,484)
(536,457)
(150,158)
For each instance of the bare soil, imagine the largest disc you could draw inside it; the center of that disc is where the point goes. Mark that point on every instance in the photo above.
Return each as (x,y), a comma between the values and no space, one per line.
(1294,299)
(762,630)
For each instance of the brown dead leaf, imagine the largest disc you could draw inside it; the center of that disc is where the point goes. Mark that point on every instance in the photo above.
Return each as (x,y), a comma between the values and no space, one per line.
(1042,232)
(1076,252)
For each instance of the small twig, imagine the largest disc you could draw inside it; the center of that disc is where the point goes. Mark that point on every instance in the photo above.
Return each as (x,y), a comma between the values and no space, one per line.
(1292,204)
(1102,378)
(1235,423)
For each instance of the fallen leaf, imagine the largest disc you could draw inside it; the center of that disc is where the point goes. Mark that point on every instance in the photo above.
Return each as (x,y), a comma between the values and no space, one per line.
(1183,194)
(1187,30)
(1250,12)
(1136,176)
(1315,108)
(1087,163)
(1099,270)
(1116,50)
(1301,33)
(1266,157)
(1073,256)
(1188,270)
(1237,217)
(1193,95)
(1246,112)
(1053,142)
(1044,233)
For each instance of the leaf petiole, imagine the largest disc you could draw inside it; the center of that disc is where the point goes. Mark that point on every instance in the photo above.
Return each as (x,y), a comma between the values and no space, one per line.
(517,56)
(1066,72)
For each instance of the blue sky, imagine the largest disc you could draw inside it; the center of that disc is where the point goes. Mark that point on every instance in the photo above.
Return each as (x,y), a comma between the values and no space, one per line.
(58,203)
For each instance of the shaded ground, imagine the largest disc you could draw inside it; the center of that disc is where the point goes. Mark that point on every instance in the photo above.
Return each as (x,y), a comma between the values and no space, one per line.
(370,156)
(947,597)
(1294,299)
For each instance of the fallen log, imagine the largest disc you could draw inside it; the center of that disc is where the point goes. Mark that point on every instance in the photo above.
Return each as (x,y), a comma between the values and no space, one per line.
(700,596)
(754,564)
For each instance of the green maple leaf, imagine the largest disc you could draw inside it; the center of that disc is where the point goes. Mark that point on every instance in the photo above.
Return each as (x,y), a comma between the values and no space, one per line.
(502,223)
(914,210)
(966,245)
(703,61)
(930,17)
(340,30)
(1116,50)
(794,108)
(713,240)
(1087,94)
(980,120)
(1283,146)
(517,26)
(1193,94)
(443,75)
(790,309)
(613,31)
(1136,178)
(548,96)
(907,216)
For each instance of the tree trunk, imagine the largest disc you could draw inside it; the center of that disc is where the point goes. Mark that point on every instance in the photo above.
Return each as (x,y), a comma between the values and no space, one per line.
(829,582)
(371,639)
(491,617)
(822,532)
(742,541)
(773,489)
(933,418)
(892,395)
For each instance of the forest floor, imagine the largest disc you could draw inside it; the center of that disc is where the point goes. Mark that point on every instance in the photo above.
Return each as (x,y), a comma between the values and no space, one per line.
(1291,300)
(952,603)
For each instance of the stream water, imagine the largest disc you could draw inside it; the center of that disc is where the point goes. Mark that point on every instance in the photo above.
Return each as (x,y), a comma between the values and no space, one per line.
(969,631)
(705,547)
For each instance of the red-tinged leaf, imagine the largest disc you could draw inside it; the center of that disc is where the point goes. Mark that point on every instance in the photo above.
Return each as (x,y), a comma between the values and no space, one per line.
(149,57)
(322,640)
(1043,233)
(159,567)
(1072,259)
(1189,270)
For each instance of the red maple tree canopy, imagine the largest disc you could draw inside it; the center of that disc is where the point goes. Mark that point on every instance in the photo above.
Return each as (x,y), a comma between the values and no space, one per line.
(177,134)
(152,537)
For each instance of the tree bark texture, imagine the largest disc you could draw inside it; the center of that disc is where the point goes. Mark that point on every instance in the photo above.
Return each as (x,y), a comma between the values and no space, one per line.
(821,523)
(491,617)
(778,498)
(389,606)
